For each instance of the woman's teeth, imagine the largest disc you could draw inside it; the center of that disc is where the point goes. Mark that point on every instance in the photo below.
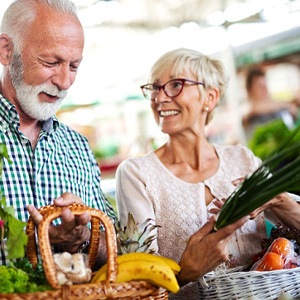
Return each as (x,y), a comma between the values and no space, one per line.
(168,113)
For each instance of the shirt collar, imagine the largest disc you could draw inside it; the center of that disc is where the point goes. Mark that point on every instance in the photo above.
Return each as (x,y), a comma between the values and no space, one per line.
(9,115)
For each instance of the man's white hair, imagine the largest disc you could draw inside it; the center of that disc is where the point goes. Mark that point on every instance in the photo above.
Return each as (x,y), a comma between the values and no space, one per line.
(21,13)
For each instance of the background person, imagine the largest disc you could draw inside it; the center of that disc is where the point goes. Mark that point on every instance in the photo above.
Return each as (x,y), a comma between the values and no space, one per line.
(180,184)
(261,108)
(41,46)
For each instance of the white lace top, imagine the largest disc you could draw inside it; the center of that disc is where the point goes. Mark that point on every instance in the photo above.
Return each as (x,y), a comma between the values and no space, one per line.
(148,189)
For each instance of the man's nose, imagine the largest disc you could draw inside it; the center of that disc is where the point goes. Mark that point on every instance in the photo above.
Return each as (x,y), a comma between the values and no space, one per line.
(64,78)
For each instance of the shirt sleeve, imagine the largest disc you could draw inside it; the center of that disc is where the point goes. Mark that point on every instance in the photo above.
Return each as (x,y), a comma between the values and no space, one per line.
(97,197)
(132,196)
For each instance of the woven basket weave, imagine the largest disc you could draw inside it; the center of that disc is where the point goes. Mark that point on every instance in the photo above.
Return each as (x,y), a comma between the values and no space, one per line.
(109,289)
(265,285)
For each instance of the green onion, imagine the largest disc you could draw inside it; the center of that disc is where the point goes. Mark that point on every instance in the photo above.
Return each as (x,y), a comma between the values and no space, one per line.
(278,173)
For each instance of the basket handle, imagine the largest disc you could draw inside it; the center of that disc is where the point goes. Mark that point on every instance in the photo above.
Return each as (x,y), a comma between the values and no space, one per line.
(52,212)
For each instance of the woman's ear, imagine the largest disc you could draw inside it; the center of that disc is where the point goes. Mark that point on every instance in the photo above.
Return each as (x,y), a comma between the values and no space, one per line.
(6,49)
(212,98)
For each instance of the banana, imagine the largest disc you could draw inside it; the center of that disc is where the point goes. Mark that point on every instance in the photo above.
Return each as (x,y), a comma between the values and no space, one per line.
(136,261)
(171,263)
(157,273)
(134,256)
(100,275)
(151,257)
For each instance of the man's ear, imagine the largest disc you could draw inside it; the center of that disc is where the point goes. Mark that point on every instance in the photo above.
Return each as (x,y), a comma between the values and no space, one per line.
(6,49)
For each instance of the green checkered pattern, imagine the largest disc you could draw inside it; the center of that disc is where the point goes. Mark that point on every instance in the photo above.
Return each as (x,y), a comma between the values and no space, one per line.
(61,162)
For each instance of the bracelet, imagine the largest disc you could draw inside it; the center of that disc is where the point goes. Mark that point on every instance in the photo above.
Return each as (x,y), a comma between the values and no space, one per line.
(83,248)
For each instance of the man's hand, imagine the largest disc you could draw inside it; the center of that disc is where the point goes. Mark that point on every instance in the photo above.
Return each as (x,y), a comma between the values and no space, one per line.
(72,232)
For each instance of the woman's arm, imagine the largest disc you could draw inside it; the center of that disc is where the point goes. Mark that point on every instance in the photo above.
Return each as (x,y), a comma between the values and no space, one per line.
(132,196)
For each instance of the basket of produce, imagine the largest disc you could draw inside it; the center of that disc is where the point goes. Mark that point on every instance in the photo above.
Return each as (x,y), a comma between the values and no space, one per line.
(274,273)
(253,285)
(129,276)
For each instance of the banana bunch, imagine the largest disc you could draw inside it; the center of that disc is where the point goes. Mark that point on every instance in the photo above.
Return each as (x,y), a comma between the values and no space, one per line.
(158,270)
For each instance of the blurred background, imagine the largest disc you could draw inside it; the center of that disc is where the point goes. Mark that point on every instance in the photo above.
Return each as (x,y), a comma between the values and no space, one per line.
(125,37)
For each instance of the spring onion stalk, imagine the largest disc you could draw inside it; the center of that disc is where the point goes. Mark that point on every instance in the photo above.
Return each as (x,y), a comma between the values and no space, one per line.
(278,173)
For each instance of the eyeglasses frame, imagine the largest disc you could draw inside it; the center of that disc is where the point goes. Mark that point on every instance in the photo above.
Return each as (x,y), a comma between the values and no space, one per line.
(183,81)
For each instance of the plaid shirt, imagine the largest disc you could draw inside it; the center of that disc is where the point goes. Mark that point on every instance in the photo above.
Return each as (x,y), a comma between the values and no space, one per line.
(61,162)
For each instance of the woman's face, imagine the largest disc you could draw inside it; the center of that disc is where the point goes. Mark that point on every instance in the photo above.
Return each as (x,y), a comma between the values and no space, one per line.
(183,113)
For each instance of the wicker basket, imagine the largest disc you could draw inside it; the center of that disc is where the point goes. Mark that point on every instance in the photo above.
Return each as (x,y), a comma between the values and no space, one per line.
(252,285)
(103,290)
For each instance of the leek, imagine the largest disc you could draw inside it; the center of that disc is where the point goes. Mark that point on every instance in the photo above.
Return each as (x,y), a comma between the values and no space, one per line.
(278,173)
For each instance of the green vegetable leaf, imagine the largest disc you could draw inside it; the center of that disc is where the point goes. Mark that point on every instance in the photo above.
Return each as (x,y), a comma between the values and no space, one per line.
(280,172)
(16,239)
(13,228)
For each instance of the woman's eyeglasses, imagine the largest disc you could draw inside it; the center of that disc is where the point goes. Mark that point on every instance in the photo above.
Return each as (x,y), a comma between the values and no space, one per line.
(172,88)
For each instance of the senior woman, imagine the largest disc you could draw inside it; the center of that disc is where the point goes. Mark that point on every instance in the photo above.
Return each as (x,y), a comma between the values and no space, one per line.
(180,184)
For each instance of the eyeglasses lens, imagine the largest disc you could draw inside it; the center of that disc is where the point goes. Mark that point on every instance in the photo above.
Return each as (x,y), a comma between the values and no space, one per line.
(173,88)
(150,91)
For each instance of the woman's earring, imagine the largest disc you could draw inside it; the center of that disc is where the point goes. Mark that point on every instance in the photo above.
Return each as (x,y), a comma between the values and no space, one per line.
(206,108)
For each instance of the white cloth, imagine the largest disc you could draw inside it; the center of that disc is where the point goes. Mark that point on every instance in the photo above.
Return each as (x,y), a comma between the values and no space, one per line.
(145,187)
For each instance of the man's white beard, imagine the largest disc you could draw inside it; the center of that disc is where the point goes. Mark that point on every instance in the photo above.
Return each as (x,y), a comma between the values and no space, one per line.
(27,95)
(28,99)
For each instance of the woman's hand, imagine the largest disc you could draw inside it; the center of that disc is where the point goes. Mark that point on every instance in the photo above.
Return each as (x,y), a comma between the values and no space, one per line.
(219,202)
(206,250)
(218,205)
(72,232)
(285,209)
(272,203)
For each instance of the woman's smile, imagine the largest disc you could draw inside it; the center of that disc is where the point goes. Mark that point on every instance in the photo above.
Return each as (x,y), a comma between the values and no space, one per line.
(167,113)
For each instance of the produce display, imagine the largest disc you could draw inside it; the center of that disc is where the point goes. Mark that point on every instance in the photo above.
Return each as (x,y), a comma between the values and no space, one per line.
(19,276)
(136,260)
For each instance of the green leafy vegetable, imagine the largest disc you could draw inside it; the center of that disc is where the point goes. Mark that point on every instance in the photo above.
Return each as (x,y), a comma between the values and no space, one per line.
(36,274)
(12,280)
(268,137)
(278,173)
(22,278)
(18,276)
(12,229)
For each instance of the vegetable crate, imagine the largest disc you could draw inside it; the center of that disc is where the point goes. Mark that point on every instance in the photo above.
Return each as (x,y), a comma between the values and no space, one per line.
(108,289)
(247,285)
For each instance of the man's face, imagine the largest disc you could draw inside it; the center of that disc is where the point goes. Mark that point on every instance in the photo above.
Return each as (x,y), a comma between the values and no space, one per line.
(28,95)
(47,65)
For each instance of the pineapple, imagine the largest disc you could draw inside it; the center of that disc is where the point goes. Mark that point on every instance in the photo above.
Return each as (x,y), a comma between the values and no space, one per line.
(135,238)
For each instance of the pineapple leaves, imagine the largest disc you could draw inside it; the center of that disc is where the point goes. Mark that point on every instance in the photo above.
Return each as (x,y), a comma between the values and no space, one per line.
(135,238)
(280,172)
